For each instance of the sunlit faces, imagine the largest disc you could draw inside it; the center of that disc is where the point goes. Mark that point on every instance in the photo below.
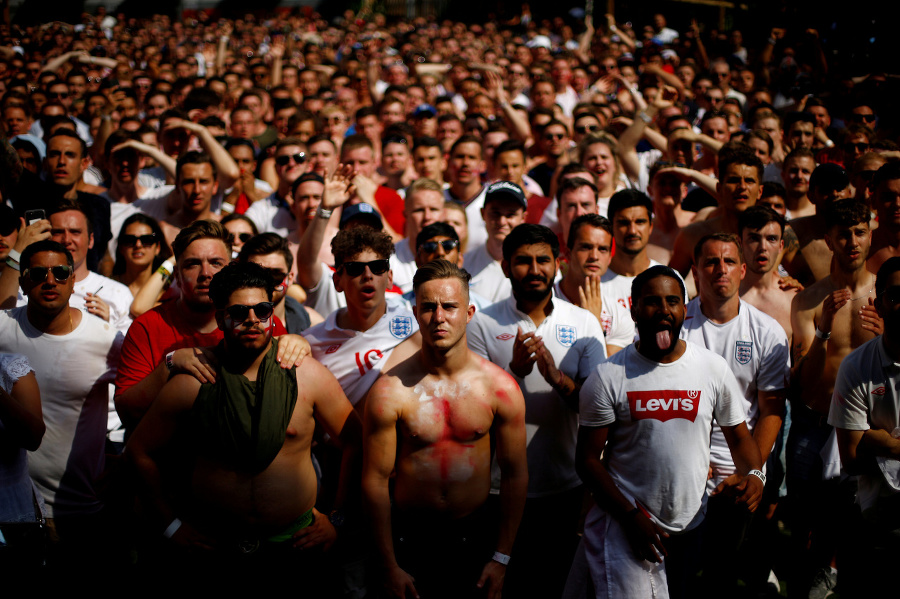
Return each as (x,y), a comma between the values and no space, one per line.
(591,252)
(801,135)
(64,162)
(51,295)
(761,149)
(738,187)
(510,166)
(361,160)
(70,228)
(574,203)
(455,216)
(242,319)
(439,247)
(631,229)
(761,247)
(658,313)
(719,270)
(307,197)
(850,245)
(531,270)
(466,165)
(243,156)
(322,157)
(774,202)
(137,253)
(196,266)
(429,162)
(422,208)
(555,140)
(600,160)
(717,128)
(395,158)
(443,311)
(796,174)
(294,167)
(366,291)
(277,267)
(198,185)
(501,216)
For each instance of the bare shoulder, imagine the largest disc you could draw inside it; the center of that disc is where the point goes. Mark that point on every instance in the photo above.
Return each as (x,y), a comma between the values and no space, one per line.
(811,297)
(703,214)
(179,393)
(698,229)
(495,380)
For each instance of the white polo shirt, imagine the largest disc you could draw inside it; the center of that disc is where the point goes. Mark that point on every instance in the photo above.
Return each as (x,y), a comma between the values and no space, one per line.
(615,320)
(756,349)
(271,215)
(575,340)
(355,358)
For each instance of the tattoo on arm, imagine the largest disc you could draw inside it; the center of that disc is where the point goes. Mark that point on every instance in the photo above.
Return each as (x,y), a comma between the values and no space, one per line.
(791,242)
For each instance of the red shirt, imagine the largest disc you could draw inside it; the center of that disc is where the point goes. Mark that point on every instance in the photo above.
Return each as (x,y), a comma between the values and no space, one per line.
(390,205)
(156,333)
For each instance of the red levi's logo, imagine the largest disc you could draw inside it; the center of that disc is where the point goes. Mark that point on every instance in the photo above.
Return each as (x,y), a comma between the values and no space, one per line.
(664,405)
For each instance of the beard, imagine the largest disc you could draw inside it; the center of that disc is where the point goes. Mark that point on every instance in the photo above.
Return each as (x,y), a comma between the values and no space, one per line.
(523,293)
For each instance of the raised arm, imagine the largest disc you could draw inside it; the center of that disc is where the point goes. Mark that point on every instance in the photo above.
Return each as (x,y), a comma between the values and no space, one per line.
(335,195)
(9,280)
(513,118)
(225,165)
(809,349)
(164,160)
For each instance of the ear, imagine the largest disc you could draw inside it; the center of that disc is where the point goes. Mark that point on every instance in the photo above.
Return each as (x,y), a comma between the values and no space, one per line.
(91,241)
(470,312)
(220,320)
(336,278)
(504,265)
(743,271)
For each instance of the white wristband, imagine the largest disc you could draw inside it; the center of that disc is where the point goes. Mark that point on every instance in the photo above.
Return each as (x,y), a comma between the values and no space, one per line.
(172,528)
(323,213)
(758,474)
(501,558)
(822,335)
(15,256)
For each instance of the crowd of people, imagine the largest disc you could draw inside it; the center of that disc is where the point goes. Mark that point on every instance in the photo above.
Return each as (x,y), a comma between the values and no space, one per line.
(540,307)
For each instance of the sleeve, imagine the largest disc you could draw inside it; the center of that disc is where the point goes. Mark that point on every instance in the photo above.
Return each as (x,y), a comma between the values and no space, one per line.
(475,337)
(729,409)
(849,410)
(775,366)
(135,361)
(12,368)
(621,333)
(596,404)
(390,204)
(594,350)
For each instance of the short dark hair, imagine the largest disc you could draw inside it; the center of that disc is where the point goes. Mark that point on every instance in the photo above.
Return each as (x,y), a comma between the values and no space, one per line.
(772,189)
(66,205)
(628,198)
(441,269)
(888,171)
(350,242)
(427,142)
(738,152)
(792,118)
(265,244)
(438,229)
(194,158)
(846,213)
(529,234)
(724,238)
(239,275)
(574,183)
(889,267)
(757,217)
(587,220)
(45,245)
(467,138)
(71,135)
(510,145)
(660,270)
(200,229)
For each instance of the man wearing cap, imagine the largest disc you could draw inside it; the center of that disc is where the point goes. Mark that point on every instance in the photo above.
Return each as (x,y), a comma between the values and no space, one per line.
(504,210)
(810,261)
(550,347)
(424,121)
(273,214)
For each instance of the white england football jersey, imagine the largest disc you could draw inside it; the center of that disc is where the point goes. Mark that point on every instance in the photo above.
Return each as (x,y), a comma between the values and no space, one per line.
(488,279)
(615,320)
(661,414)
(756,349)
(619,286)
(575,340)
(355,358)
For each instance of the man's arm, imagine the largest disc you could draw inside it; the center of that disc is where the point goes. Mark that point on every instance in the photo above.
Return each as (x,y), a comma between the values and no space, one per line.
(150,440)
(771,416)
(646,537)
(335,195)
(746,488)
(860,448)
(226,167)
(380,451)
(809,349)
(509,431)
(9,280)
(683,252)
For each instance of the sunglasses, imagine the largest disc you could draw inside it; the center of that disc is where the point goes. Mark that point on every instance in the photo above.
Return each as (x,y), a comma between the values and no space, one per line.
(376,267)
(240,312)
(38,274)
(552,136)
(131,240)
(860,147)
(868,118)
(448,244)
(299,158)
(244,237)
(582,129)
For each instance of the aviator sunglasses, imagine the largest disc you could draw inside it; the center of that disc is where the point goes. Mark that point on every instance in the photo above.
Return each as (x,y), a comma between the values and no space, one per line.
(240,312)
(298,158)
(448,244)
(38,274)
(354,269)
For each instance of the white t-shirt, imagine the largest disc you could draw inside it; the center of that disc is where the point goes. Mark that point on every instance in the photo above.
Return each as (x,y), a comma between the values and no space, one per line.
(615,320)
(477,230)
(867,395)
(73,372)
(403,264)
(575,340)
(355,358)
(117,295)
(488,279)
(658,449)
(270,215)
(619,286)
(153,202)
(756,349)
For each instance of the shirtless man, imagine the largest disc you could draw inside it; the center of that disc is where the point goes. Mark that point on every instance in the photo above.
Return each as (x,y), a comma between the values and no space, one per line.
(796,172)
(430,421)
(740,177)
(829,320)
(667,189)
(886,201)
(762,231)
(811,260)
(245,498)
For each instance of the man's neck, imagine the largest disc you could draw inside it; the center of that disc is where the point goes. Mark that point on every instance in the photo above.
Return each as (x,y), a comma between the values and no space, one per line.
(720,311)
(857,280)
(465,193)
(494,248)
(359,320)
(630,265)
(203,320)
(537,311)
(570,285)
(182,218)
(445,362)
(81,272)
(61,323)
(245,361)
(796,202)
(125,193)
(760,282)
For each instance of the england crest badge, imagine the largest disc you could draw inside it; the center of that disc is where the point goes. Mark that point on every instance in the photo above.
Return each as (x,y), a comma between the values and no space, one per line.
(401,326)
(743,351)
(565,334)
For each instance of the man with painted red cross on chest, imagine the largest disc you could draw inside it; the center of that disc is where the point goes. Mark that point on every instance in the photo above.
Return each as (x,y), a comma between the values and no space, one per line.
(649,410)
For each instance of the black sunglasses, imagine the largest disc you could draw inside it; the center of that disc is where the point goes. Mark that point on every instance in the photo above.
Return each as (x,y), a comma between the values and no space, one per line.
(38,274)
(244,237)
(240,312)
(448,244)
(131,240)
(582,129)
(552,136)
(354,269)
(299,158)
(868,118)
(861,147)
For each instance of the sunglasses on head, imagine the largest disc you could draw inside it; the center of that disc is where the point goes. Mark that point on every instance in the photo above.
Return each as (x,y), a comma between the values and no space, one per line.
(38,274)
(299,158)
(582,129)
(240,312)
(448,244)
(244,237)
(377,267)
(131,240)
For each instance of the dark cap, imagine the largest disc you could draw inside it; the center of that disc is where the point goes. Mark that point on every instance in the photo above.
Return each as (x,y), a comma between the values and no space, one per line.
(364,212)
(829,177)
(424,110)
(505,189)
